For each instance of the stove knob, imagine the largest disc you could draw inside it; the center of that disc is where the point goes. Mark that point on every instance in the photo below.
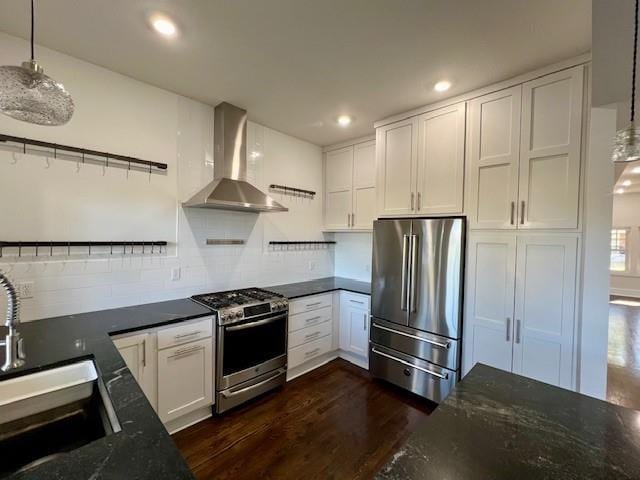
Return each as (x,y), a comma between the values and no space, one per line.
(238,314)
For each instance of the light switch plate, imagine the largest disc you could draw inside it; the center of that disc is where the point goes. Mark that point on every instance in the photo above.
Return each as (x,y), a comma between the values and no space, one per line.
(175,274)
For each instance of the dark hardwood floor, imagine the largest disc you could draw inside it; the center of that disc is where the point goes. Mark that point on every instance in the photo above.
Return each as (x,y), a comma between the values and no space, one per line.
(333,423)
(623,371)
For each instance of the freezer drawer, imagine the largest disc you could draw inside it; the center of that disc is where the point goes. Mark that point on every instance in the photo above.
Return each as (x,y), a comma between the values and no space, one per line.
(422,378)
(442,351)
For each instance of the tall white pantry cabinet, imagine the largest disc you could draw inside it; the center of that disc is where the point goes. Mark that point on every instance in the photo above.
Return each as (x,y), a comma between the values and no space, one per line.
(524,171)
(509,158)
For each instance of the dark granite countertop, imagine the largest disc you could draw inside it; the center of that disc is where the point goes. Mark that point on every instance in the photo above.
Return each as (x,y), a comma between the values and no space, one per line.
(497,425)
(322,285)
(143,449)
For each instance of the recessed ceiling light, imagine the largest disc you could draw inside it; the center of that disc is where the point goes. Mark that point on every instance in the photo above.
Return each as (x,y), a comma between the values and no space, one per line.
(344,120)
(164,25)
(626,183)
(635,170)
(620,191)
(442,86)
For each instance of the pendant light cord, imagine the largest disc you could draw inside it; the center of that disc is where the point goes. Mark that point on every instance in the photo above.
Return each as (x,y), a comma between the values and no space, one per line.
(635,55)
(33,22)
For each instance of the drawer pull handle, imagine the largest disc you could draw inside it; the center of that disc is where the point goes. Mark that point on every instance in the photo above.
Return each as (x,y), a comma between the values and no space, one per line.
(186,351)
(415,337)
(314,304)
(311,353)
(356,301)
(311,335)
(190,334)
(443,376)
(312,319)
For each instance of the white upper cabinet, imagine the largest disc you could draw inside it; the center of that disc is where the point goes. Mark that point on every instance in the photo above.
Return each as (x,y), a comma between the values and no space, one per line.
(524,154)
(350,187)
(494,145)
(420,164)
(396,154)
(440,173)
(550,150)
(545,308)
(364,185)
(338,186)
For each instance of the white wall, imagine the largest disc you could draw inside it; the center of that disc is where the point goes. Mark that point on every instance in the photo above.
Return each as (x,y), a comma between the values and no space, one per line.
(353,255)
(594,304)
(626,214)
(121,115)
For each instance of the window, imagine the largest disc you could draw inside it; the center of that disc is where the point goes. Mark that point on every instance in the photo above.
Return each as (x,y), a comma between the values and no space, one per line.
(619,257)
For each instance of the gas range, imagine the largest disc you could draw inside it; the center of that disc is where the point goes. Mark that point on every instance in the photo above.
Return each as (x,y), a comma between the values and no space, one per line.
(251,343)
(234,306)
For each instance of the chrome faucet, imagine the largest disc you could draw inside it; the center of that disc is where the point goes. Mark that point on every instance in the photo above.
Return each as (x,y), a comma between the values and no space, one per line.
(14,351)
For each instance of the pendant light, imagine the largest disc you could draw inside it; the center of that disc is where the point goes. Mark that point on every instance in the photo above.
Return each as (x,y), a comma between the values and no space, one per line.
(627,142)
(27,94)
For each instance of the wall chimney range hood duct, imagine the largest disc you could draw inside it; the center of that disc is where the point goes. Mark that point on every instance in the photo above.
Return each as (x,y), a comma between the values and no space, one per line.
(229,189)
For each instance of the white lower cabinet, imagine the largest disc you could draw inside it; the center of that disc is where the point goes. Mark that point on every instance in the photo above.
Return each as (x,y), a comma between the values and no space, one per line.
(185,379)
(520,304)
(138,351)
(354,326)
(174,366)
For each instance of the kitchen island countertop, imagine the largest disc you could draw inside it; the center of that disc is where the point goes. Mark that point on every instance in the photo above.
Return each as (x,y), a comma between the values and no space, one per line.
(498,425)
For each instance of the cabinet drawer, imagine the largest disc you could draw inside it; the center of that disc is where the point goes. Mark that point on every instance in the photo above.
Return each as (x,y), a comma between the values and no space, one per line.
(356,300)
(184,333)
(303,353)
(308,319)
(306,335)
(420,377)
(306,304)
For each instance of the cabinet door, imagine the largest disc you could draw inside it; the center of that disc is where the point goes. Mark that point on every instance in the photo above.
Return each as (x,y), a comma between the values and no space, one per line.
(490,300)
(440,171)
(185,379)
(396,150)
(494,146)
(364,185)
(550,150)
(545,308)
(354,324)
(338,187)
(138,352)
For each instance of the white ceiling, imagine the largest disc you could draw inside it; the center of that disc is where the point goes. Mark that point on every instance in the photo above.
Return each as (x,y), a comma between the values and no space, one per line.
(298,64)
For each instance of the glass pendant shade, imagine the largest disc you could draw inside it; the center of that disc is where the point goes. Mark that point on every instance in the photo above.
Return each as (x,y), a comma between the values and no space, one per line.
(627,145)
(27,94)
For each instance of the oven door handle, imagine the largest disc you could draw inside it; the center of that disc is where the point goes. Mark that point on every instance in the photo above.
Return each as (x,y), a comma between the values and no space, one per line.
(244,326)
(232,394)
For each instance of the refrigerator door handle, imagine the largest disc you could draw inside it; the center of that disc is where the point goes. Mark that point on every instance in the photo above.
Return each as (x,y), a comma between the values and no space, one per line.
(413,280)
(404,280)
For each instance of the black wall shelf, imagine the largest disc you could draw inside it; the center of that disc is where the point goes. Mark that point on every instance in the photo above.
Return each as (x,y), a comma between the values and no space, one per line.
(81,155)
(124,246)
(296,192)
(312,242)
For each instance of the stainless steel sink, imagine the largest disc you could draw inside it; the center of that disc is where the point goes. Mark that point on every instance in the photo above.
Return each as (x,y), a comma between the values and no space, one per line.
(48,413)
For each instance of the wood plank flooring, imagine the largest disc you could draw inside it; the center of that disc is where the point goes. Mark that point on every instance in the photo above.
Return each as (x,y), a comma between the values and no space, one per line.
(623,372)
(333,423)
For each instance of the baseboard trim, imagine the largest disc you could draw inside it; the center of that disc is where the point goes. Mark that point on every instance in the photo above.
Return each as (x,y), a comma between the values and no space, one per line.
(355,359)
(311,365)
(625,292)
(185,421)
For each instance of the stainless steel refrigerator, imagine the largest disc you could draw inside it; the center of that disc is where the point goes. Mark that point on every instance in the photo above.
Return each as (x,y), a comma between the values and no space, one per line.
(416,303)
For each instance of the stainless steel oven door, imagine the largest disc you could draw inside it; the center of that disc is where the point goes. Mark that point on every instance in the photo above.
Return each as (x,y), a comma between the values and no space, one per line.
(249,349)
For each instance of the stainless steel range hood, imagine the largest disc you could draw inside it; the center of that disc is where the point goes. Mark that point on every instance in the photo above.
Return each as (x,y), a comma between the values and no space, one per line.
(229,189)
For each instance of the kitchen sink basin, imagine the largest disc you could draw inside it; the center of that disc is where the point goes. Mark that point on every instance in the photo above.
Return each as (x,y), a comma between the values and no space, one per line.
(48,413)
